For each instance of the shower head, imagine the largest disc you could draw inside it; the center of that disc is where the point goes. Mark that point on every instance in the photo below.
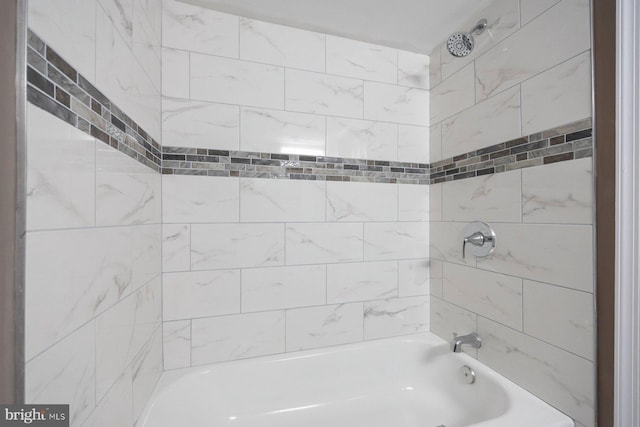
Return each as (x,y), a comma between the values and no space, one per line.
(461,44)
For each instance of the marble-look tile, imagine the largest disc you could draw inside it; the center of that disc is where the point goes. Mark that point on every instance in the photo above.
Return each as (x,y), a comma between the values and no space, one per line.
(276,288)
(435,143)
(414,277)
(236,82)
(65,374)
(319,243)
(453,95)
(176,344)
(445,242)
(568,317)
(495,120)
(495,296)
(198,199)
(199,29)
(530,9)
(145,251)
(362,201)
(435,69)
(557,254)
(219,246)
(281,45)
(152,10)
(557,96)
(490,198)
(120,13)
(360,60)
(200,124)
(127,192)
(318,93)
(413,69)
(60,173)
(526,52)
(175,73)
(240,336)
(275,200)
(324,326)
(122,332)
(395,316)
(361,281)
(396,104)
(560,378)
(447,319)
(413,144)
(400,240)
(558,193)
(116,408)
(276,131)
(435,202)
(193,294)
(361,139)
(413,202)
(146,370)
(435,277)
(68,26)
(176,243)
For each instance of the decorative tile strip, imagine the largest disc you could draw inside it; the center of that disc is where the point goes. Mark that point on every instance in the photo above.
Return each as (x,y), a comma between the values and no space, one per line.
(56,87)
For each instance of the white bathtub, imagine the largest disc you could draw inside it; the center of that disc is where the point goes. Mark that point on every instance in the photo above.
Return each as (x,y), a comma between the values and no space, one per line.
(397,382)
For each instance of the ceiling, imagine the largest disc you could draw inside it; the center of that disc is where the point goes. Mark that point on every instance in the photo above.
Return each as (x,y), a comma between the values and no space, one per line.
(415,25)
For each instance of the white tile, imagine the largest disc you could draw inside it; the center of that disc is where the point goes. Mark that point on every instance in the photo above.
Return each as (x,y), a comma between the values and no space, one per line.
(527,52)
(200,294)
(199,29)
(396,104)
(192,199)
(557,254)
(146,371)
(218,246)
(490,198)
(453,95)
(560,316)
(240,336)
(361,201)
(127,192)
(153,14)
(116,408)
(324,326)
(435,143)
(495,296)
(362,139)
(200,124)
(413,69)
(530,9)
(60,173)
(558,96)
(276,131)
(275,200)
(65,374)
(560,378)
(281,45)
(435,202)
(176,344)
(435,277)
(445,242)
(414,277)
(401,240)
(435,70)
(447,319)
(232,81)
(318,243)
(146,45)
(318,93)
(360,60)
(175,73)
(361,281)
(144,247)
(120,13)
(176,243)
(395,316)
(558,193)
(413,144)
(487,123)
(413,201)
(283,287)
(68,26)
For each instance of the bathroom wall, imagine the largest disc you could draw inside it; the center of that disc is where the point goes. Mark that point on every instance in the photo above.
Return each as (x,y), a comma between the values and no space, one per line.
(510,146)
(286,224)
(93,283)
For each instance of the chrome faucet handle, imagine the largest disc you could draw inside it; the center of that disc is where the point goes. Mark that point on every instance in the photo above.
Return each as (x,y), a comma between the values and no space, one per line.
(481,237)
(476,239)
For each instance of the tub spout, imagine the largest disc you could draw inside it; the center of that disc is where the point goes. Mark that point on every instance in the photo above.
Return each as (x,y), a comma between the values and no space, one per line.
(473,339)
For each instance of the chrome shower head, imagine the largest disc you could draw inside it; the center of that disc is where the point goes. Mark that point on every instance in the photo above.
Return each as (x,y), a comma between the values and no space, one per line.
(461,44)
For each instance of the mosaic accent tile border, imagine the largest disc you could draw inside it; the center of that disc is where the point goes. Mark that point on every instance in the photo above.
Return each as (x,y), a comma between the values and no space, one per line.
(56,87)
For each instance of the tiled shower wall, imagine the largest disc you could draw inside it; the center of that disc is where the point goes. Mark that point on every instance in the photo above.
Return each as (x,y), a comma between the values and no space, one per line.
(532,300)
(255,266)
(93,286)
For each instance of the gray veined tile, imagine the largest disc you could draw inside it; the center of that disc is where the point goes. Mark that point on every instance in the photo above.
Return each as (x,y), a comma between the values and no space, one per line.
(351,282)
(146,370)
(361,201)
(399,240)
(323,326)
(176,344)
(176,243)
(397,104)
(414,144)
(413,69)
(351,58)
(452,95)
(414,277)
(396,316)
(447,319)
(318,243)
(361,139)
